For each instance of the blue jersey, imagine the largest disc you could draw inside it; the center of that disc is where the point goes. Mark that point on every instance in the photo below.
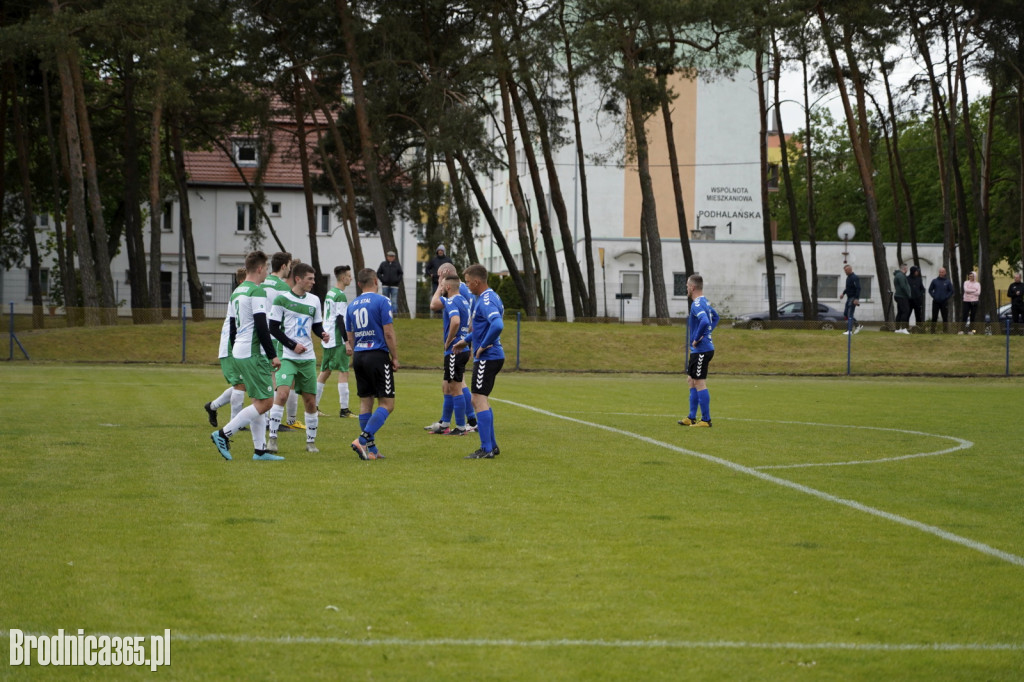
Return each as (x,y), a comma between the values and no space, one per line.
(467,294)
(456,306)
(487,326)
(365,317)
(703,320)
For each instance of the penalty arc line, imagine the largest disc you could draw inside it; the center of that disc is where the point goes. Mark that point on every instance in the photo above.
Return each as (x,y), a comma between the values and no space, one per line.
(852,504)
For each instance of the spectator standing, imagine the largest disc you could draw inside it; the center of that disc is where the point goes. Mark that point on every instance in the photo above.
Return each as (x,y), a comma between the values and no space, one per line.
(852,293)
(433,270)
(902,294)
(1016,294)
(389,273)
(916,295)
(941,290)
(972,292)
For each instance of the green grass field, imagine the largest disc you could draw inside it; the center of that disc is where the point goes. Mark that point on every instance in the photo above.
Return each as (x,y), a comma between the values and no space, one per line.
(824,528)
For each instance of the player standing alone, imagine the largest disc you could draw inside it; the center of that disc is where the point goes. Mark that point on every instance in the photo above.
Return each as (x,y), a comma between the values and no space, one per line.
(703,320)
(371,335)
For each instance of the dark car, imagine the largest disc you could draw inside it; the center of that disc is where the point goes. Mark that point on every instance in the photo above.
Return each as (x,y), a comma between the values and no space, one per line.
(793,313)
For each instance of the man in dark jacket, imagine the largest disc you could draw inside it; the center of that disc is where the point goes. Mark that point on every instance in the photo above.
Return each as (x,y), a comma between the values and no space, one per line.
(941,290)
(852,294)
(916,295)
(434,265)
(1016,294)
(902,294)
(390,275)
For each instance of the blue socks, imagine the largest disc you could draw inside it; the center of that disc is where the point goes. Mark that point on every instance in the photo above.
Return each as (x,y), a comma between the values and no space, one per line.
(373,424)
(704,399)
(693,404)
(468,397)
(460,410)
(485,425)
(446,409)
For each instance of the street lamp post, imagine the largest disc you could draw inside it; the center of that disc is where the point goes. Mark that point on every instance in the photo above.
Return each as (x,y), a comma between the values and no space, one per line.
(846,232)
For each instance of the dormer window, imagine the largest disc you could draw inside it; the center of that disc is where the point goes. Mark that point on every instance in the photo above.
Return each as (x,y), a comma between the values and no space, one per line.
(246,152)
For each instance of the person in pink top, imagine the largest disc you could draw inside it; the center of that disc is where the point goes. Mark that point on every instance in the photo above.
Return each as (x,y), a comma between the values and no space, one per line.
(972,292)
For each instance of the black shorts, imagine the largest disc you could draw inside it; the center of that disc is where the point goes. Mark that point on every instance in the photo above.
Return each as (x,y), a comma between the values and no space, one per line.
(455,366)
(374,375)
(484,373)
(699,362)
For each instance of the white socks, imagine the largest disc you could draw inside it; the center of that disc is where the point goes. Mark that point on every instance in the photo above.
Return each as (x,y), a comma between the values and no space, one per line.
(222,400)
(312,421)
(343,394)
(275,419)
(293,406)
(246,416)
(237,402)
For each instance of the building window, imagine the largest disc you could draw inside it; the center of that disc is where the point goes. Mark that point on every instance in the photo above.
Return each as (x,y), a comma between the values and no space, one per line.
(44,284)
(42,221)
(866,282)
(828,286)
(323,218)
(246,222)
(246,152)
(167,220)
(780,281)
(679,284)
(275,209)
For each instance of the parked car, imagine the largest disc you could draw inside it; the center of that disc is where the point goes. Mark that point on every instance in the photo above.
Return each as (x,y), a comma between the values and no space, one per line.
(792,312)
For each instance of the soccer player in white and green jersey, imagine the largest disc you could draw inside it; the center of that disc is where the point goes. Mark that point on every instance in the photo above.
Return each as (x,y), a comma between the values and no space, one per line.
(294,318)
(336,353)
(255,358)
(235,392)
(281,264)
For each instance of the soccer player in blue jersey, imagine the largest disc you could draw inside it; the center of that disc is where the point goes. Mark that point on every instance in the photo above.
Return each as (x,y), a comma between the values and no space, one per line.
(703,320)
(371,335)
(458,392)
(488,355)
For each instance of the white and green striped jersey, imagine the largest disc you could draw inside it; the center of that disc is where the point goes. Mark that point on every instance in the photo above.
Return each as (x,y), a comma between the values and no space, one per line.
(334,305)
(276,283)
(297,316)
(224,350)
(248,300)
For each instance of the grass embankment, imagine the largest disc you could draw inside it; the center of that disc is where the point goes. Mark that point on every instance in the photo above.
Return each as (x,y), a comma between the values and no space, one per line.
(554,346)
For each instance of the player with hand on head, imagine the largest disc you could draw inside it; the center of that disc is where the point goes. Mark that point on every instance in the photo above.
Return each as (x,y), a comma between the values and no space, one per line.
(437,304)
(255,359)
(294,318)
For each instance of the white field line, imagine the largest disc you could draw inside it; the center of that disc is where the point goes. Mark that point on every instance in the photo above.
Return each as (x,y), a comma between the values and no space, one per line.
(285,640)
(961,444)
(852,504)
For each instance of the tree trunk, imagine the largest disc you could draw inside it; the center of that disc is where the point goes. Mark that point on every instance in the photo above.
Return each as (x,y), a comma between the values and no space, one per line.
(677,185)
(550,254)
(812,214)
(857,127)
(101,247)
(522,219)
(90,298)
(65,259)
(322,286)
(195,286)
(581,167)
(28,208)
(769,253)
(496,234)
(134,243)
(461,207)
(901,175)
(156,208)
(649,212)
(369,149)
(810,308)
(577,285)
